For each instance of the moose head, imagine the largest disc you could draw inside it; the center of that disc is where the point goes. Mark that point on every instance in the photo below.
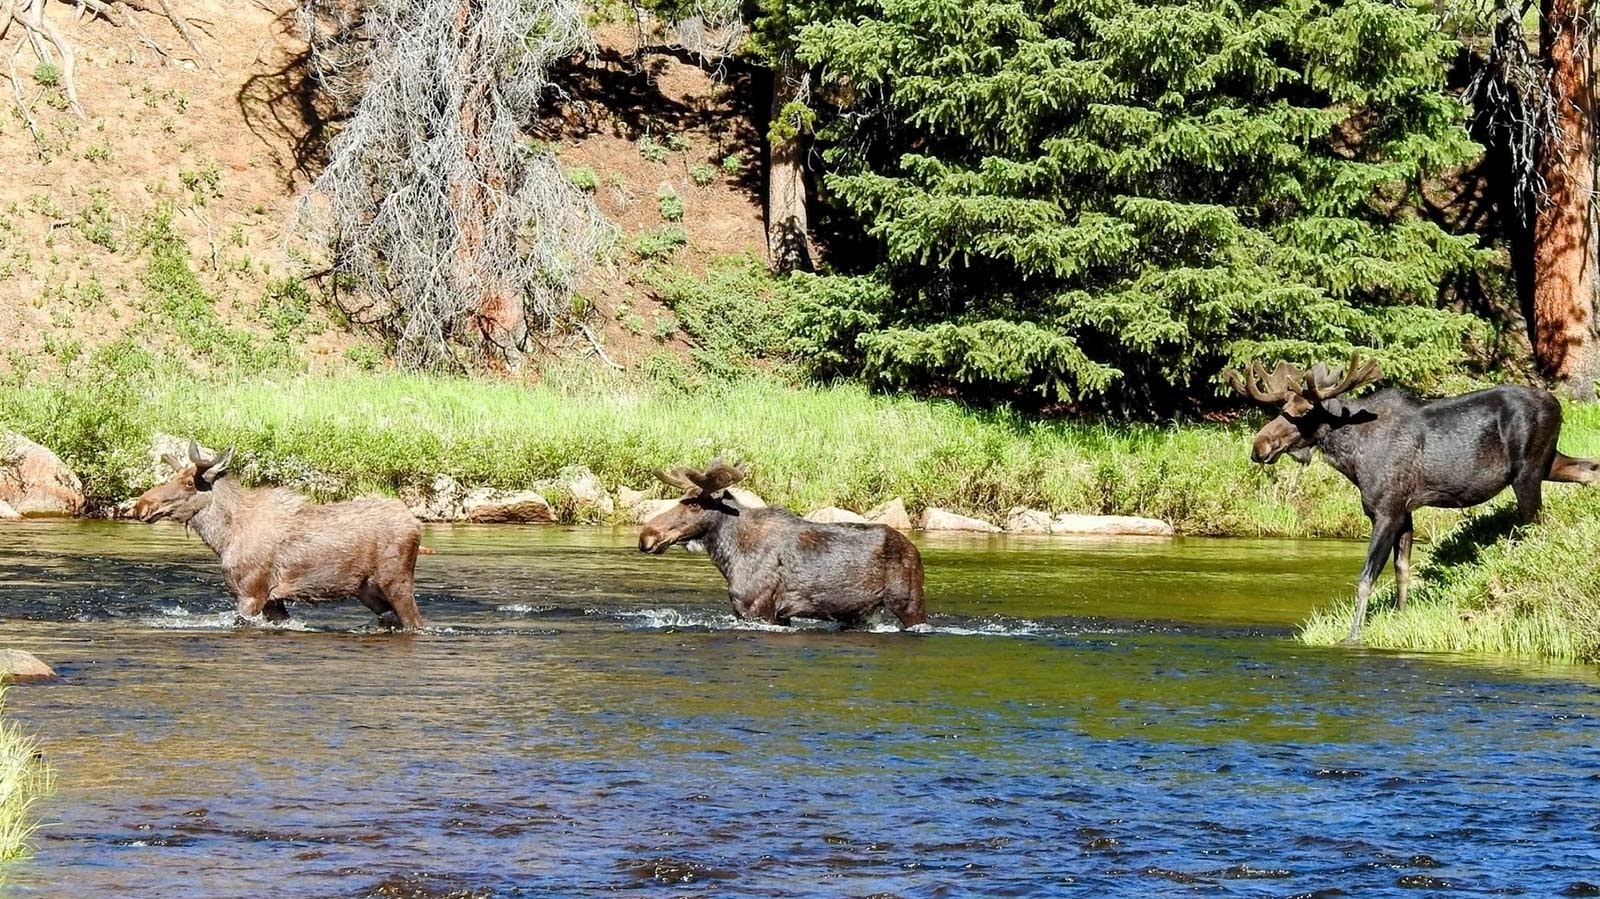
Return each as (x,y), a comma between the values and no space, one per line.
(189,491)
(702,508)
(1302,396)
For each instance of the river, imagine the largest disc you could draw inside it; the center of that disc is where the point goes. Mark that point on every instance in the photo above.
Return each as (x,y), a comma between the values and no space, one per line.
(1080,718)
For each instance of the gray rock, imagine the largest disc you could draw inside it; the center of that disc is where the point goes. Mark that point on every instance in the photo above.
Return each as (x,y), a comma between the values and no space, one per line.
(1027,521)
(486,506)
(835,515)
(438,501)
(1111,525)
(934,519)
(650,508)
(589,497)
(627,498)
(16,665)
(892,513)
(746,499)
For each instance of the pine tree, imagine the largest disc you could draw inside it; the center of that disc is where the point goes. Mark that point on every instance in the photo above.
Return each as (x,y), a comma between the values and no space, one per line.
(1108,200)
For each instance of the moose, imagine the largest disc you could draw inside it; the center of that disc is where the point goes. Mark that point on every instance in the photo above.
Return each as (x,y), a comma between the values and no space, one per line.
(780,566)
(1403,453)
(277,546)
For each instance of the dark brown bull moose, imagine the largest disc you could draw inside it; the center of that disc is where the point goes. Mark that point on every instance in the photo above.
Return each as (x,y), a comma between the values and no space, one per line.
(780,566)
(276,545)
(1403,453)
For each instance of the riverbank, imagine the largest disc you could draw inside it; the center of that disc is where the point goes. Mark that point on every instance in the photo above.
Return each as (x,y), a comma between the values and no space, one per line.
(23,779)
(1489,586)
(807,447)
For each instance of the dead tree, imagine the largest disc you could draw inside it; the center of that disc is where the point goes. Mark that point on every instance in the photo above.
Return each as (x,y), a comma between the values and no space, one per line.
(447,227)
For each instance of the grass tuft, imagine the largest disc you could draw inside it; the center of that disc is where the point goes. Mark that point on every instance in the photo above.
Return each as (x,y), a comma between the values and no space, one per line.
(23,780)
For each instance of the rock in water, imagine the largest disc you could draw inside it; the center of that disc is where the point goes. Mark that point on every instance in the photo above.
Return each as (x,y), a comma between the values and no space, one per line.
(835,515)
(16,665)
(934,519)
(34,481)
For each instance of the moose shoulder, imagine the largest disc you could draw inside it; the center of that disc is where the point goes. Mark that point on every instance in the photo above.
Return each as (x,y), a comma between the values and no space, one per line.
(1403,453)
(275,545)
(780,566)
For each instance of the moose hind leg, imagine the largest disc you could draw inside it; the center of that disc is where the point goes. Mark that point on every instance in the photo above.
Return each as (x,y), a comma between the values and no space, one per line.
(1402,562)
(904,596)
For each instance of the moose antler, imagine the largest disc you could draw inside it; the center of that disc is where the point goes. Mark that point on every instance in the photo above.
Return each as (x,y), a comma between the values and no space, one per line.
(694,482)
(1264,387)
(1328,383)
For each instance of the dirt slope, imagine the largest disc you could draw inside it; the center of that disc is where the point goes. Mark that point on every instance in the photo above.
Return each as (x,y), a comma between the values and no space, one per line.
(224,142)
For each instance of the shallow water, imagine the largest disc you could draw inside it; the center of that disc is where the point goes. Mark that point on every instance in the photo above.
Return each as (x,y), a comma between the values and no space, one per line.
(1082,718)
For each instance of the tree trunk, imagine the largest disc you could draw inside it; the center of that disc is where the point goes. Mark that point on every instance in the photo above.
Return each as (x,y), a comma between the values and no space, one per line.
(788,230)
(1563,230)
(497,313)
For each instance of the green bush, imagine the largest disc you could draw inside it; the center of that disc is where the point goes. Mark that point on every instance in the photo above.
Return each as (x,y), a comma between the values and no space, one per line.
(660,244)
(736,310)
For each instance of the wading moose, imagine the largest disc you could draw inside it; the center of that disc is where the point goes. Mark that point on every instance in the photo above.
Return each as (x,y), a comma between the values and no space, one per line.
(276,545)
(1403,453)
(780,566)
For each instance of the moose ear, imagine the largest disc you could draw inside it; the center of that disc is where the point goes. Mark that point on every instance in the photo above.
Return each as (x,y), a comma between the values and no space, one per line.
(218,467)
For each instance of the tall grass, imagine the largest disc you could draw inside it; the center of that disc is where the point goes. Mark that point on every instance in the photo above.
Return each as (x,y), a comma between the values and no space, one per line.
(1490,586)
(23,779)
(807,446)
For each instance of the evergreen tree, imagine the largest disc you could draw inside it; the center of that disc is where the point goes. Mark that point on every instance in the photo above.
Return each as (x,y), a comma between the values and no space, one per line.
(1109,200)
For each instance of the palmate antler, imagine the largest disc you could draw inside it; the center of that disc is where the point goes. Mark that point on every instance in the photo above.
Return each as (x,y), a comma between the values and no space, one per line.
(1286,380)
(1328,383)
(717,476)
(1263,387)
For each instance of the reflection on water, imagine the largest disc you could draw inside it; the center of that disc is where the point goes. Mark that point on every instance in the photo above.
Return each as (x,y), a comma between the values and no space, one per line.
(1079,718)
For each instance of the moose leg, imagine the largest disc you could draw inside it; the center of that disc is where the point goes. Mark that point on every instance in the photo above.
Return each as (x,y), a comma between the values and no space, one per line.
(1402,562)
(404,602)
(904,594)
(1528,485)
(1385,530)
(372,598)
(1573,471)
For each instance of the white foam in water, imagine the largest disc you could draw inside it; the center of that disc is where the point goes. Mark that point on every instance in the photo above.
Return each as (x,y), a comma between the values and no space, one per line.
(180,618)
(522,608)
(660,619)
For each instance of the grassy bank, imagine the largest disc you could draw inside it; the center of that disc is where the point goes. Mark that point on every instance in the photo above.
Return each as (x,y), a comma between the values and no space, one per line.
(807,447)
(23,779)
(1489,586)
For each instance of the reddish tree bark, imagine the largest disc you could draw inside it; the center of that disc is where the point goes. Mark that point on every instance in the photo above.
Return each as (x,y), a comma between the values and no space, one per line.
(788,228)
(1563,230)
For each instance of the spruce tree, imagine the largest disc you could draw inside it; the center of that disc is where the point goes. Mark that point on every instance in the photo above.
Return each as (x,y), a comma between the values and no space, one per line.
(1108,200)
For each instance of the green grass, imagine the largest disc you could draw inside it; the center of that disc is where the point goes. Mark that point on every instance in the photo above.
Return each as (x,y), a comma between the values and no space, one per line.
(1489,586)
(807,446)
(23,779)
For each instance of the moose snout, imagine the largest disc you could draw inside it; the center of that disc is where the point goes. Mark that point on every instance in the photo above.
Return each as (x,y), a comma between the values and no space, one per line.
(144,510)
(651,542)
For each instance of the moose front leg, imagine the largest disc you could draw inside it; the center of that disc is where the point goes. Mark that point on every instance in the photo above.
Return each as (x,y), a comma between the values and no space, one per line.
(1386,528)
(756,598)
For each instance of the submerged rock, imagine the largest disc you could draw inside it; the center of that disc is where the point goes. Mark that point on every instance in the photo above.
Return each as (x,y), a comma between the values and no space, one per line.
(1113,525)
(935,519)
(34,481)
(835,515)
(892,513)
(16,665)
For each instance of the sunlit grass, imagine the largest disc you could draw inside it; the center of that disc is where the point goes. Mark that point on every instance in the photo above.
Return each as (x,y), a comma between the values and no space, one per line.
(1489,587)
(23,779)
(806,446)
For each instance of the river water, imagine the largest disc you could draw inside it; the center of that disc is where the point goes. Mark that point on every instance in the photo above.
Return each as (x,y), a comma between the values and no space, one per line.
(1082,718)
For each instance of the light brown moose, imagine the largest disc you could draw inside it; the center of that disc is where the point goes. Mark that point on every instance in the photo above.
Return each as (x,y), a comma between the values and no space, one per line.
(277,546)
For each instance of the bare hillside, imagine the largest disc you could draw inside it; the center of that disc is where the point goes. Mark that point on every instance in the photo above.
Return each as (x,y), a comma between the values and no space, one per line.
(212,149)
